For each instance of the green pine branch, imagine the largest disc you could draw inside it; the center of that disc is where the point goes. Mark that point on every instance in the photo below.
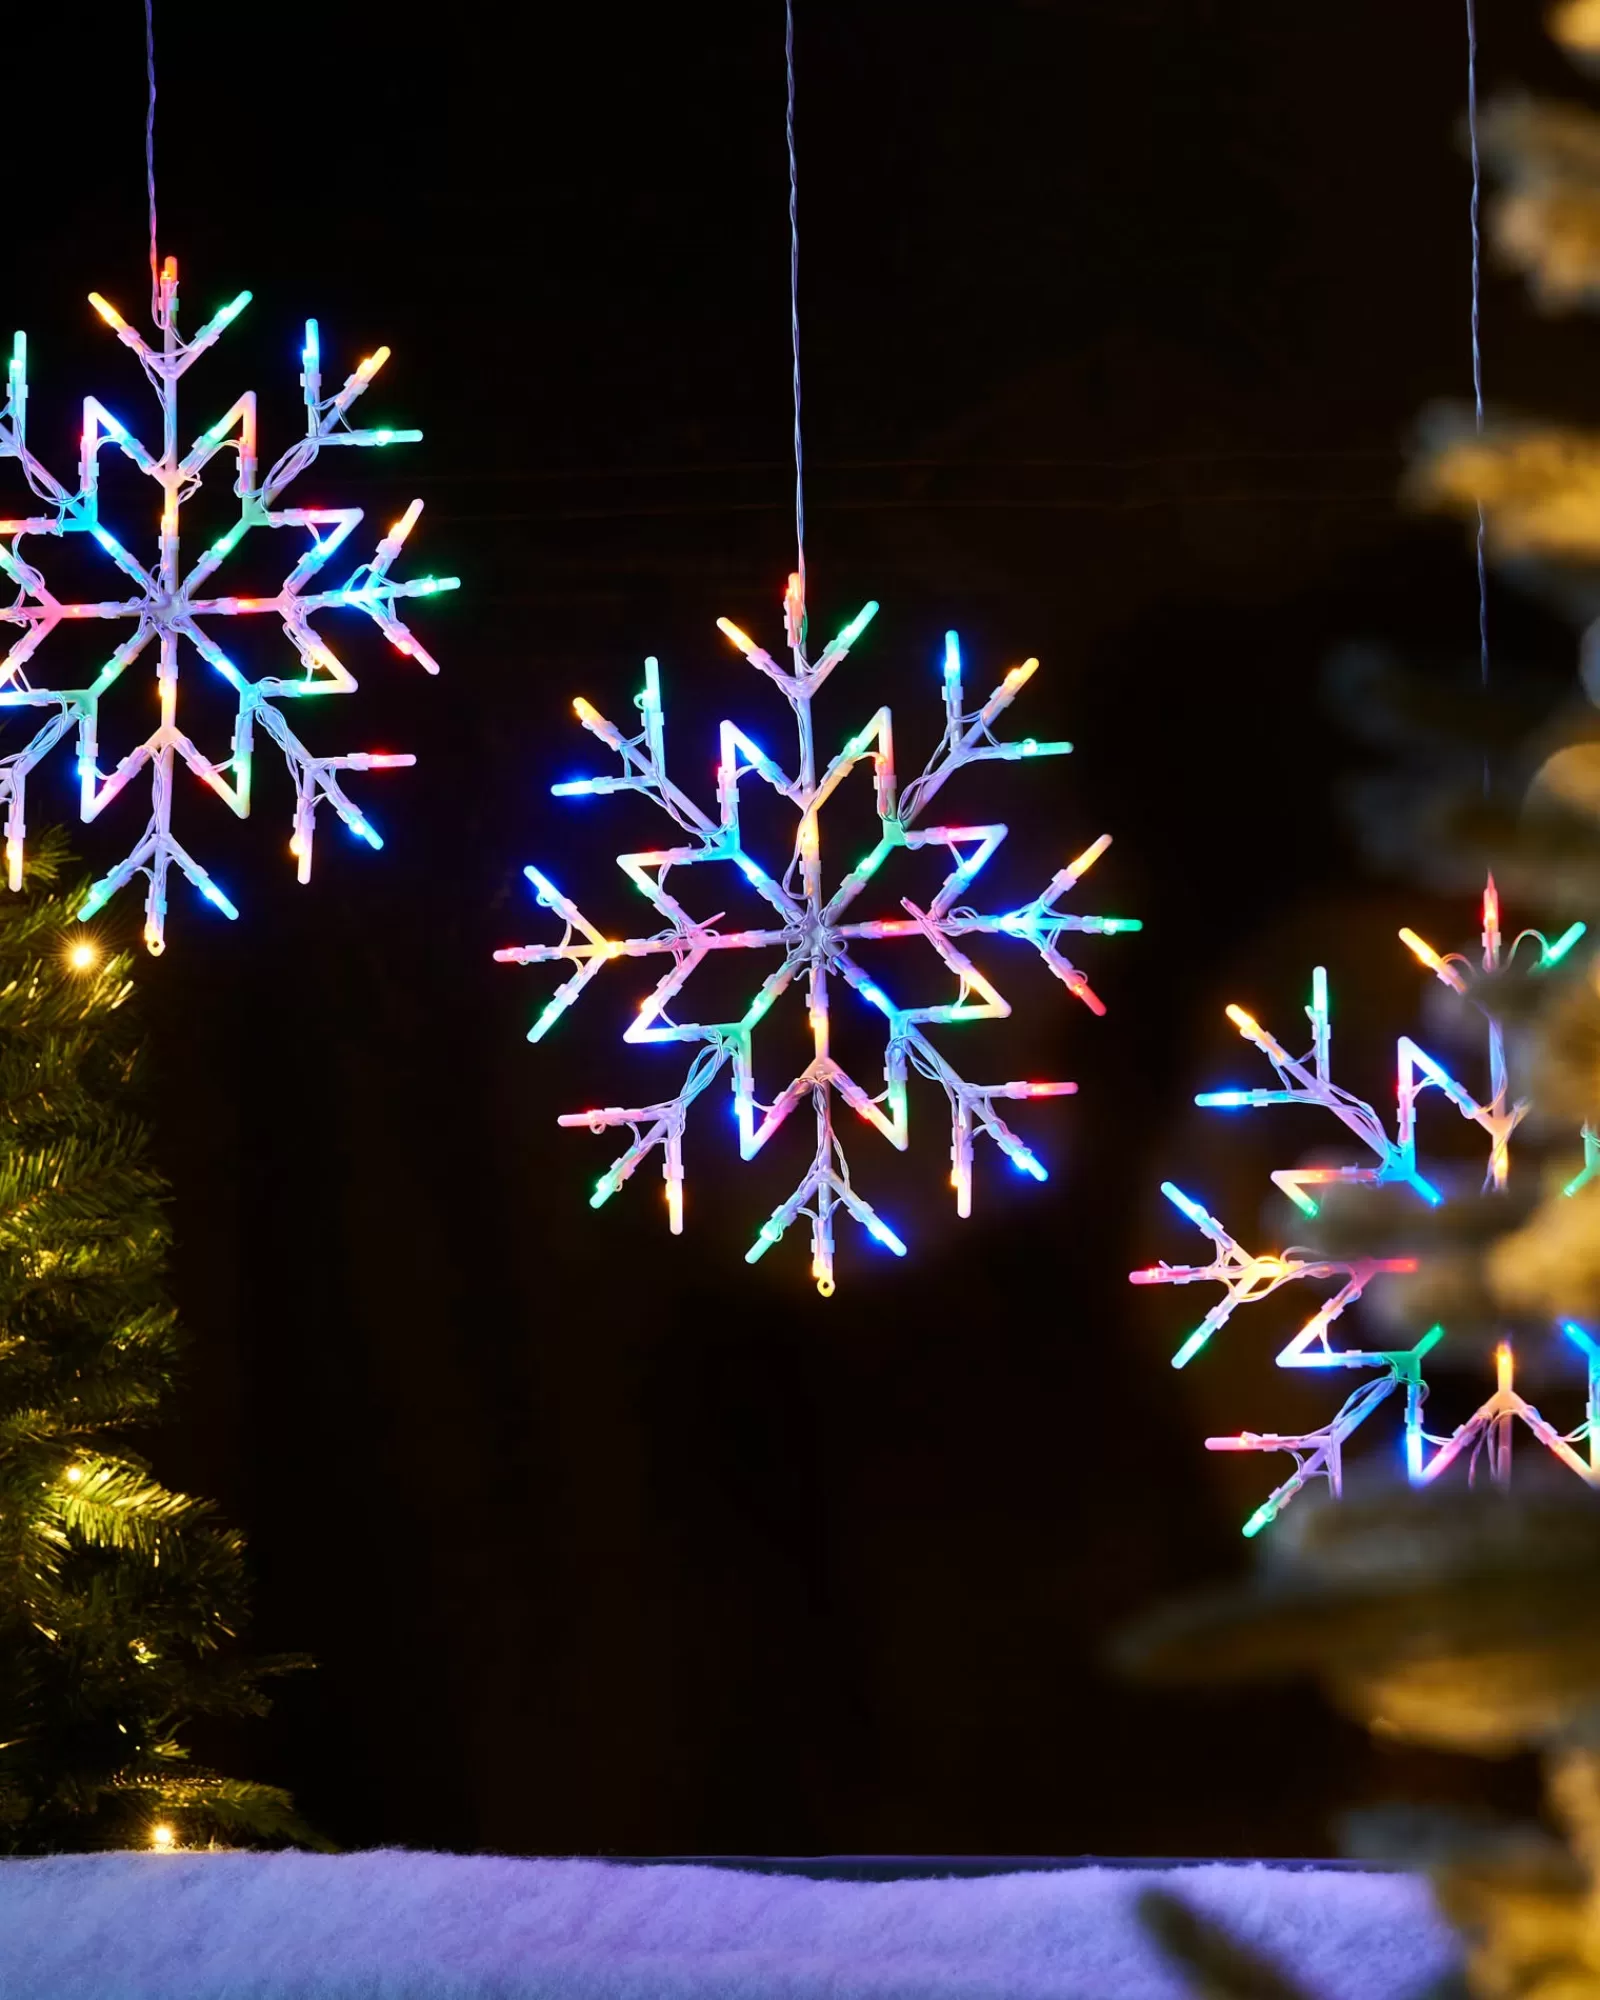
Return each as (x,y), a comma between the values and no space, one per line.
(122,1601)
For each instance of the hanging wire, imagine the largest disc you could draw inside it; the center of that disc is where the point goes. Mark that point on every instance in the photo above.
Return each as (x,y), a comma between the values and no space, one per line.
(1477,349)
(794,300)
(150,155)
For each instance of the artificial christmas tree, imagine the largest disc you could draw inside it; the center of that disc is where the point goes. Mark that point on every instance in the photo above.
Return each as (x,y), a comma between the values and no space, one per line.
(119,1598)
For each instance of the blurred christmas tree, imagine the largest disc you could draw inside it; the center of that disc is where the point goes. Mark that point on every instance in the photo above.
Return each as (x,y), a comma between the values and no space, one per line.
(1489,788)
(119,1599)
(1470,1620)
(1466,1621)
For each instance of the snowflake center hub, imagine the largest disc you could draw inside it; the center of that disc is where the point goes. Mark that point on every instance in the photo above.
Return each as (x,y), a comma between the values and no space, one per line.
(817,937)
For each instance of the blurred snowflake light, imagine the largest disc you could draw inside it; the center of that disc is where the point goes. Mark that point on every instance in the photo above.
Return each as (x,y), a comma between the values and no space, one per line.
(1247,1277)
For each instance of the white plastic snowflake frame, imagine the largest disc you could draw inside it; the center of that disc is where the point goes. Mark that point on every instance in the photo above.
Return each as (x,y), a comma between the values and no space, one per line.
(815,937)
(170,603)
(1247,1277)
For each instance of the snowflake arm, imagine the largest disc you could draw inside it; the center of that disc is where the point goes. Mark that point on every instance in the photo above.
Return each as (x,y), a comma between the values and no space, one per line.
(809,928)
(1246,1278)
(1319,1454)
(170,605)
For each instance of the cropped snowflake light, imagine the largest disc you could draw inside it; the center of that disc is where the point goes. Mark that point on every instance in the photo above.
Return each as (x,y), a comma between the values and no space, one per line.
(169,606)
(1247,1277)
(813,931)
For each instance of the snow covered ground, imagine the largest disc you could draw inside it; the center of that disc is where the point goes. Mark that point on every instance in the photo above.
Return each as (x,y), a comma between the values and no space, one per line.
(403,1926)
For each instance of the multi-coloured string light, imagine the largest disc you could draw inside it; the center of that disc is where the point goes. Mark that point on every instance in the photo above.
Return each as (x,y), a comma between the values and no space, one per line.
(814,934)
(170,605)
(1247,1277)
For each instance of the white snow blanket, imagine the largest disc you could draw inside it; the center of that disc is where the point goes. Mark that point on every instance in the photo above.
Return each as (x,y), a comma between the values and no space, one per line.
(405,1926)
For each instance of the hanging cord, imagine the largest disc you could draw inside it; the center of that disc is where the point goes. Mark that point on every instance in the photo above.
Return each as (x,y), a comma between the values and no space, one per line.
(794,302)
(150,155)
(1477,349)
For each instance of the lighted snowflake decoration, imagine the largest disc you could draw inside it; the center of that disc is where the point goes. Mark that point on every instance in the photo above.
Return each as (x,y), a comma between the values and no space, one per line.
(169,606)
(1247,1277)
(813,932)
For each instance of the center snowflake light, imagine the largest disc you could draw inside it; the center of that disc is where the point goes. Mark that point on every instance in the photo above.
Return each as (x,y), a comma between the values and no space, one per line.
(815,937)
(169,606)
(1247,1277)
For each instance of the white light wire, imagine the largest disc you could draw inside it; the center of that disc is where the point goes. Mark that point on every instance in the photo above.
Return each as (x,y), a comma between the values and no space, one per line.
(1477,346)
(794,298)
(150,156)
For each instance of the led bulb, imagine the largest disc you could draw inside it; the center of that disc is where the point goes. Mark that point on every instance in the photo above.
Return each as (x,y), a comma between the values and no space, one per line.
(1554,953)
(1422,949)
(853,631)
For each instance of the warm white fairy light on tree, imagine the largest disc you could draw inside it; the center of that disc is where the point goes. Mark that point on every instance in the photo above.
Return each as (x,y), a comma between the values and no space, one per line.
(169,606)
(814,934)
(1247,1277)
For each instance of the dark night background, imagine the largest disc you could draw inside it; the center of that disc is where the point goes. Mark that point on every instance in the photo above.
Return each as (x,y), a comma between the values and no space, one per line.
(1117,316)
